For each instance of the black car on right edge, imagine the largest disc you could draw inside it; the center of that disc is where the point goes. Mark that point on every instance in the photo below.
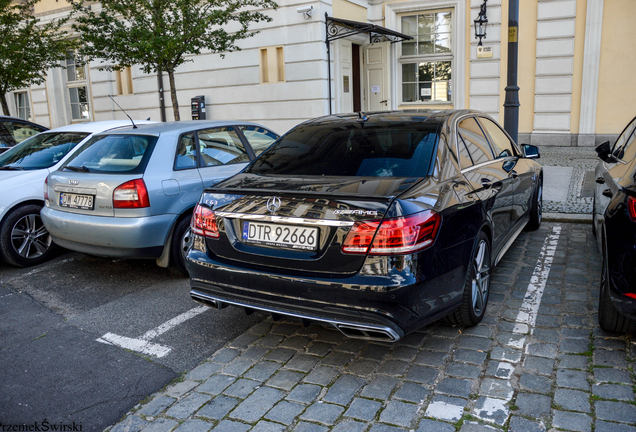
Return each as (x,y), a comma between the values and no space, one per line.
(614,214)
(375,223)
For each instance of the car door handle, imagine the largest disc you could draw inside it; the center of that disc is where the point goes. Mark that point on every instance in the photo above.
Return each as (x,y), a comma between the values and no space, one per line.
(608,193)
(513,174)
(486,183)
(600,180)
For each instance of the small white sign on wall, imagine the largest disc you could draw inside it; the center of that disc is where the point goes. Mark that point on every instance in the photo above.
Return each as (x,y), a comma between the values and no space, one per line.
(375,89)
(425,92)
(484,52)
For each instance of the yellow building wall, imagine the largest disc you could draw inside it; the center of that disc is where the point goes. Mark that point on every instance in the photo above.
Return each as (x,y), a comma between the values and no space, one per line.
(44,6)
(347,10)
(577,77)
(616,84)
(527,62)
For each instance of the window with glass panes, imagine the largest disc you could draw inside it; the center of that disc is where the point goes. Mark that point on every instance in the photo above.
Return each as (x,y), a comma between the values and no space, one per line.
(427,59)
(77,89)
(22,104)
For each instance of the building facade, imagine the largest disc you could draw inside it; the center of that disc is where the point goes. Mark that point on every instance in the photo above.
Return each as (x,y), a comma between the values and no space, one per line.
(574,69)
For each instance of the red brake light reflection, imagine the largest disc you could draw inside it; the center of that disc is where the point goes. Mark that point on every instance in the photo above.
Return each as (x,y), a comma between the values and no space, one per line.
(631,208)
(397,236)
(203,222)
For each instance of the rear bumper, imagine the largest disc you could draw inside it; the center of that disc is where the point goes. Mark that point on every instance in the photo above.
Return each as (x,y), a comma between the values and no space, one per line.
(141,237)
(349,303)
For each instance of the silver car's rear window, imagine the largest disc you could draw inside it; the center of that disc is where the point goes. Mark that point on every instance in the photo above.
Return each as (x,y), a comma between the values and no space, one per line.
(113,154)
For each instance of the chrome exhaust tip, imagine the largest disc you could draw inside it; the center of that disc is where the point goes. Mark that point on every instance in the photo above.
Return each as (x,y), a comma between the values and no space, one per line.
(367,333)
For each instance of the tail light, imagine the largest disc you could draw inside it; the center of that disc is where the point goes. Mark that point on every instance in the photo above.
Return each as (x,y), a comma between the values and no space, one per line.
(132,194)
(397,236)
(46,189)
(204,222)
(631,208)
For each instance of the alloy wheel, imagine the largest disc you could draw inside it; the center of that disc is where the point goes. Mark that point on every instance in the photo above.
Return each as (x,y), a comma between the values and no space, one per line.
(540,202)
(186,242)
(481,278)
(29,237)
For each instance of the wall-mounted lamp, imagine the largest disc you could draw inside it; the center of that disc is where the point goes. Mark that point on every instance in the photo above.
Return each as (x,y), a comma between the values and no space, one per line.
(306,11)
(480,23)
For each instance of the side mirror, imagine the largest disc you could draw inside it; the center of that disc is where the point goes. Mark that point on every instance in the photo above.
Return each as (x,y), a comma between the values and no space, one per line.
(604,152)
(530,151)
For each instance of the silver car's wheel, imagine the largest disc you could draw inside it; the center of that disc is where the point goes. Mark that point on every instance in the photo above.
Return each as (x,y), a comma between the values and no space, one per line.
(24,240)
(186,242)
(181,242)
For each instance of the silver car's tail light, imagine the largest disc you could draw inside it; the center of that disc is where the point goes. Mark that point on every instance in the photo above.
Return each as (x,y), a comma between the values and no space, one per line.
(203,222)
(46,189)
(396,236)
(132,194)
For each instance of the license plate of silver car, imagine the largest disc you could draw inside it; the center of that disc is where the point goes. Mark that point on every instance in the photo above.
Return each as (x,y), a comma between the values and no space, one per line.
(78,201)
(278,235)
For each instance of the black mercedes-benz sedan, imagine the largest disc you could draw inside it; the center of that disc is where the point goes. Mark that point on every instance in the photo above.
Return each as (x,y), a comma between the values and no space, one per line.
(614,224)
(375,223)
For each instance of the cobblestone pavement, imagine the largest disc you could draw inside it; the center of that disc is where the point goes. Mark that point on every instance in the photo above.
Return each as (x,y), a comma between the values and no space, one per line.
(537,362)
(582,160)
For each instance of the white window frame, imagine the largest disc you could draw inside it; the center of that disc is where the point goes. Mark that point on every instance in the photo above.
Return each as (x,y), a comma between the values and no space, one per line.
(76,84)
(27,107)
(393,13)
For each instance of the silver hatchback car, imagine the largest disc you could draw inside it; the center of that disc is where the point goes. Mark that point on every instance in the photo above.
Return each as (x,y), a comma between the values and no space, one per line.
(130,193)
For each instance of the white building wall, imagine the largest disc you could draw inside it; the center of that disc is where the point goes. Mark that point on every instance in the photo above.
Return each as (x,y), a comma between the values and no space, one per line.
(485,72)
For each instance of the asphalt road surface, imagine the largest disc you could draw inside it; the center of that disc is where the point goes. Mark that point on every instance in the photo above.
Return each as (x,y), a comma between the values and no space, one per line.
(84,339)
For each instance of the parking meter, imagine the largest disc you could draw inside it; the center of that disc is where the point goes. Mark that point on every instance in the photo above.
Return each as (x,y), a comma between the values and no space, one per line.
(197,104)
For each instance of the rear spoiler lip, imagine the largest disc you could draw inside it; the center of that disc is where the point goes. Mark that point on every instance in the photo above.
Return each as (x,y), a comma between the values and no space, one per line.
(312,194)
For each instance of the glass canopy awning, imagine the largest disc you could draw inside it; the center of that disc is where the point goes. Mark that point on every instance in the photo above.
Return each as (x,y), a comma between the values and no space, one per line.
(338,28)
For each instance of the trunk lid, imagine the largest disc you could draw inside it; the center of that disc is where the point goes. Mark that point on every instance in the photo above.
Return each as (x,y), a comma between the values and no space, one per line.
(282,208)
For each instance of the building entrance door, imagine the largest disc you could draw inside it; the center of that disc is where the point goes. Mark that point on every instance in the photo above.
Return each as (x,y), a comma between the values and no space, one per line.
(377,92)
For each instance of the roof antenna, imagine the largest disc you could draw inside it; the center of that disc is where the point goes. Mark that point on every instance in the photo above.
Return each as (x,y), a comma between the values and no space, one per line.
(362,117)
(122,110)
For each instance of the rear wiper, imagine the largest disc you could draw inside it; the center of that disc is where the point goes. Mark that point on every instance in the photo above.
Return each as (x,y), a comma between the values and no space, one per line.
(11,168)
(77,169)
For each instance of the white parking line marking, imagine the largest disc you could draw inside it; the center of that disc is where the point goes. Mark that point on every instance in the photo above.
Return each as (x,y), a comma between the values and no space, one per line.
(527,316)
(47,267)
(169,325)
(137,345)
(143,344)
(493,409)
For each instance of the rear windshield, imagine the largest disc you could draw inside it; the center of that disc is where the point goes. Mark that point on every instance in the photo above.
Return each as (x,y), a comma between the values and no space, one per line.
(41,151)
(113,154)
(358,149)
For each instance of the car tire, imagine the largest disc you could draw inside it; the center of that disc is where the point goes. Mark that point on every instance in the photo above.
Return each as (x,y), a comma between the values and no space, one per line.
(536,211)
(594,215)
(610,319)
(181,242)
(24,241)
(476,287)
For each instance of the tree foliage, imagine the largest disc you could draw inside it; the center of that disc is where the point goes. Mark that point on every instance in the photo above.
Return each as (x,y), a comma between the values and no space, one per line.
(28,47)
(158,35)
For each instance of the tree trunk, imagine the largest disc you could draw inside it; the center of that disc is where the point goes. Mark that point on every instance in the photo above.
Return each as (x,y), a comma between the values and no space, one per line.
(3,102)
(173,95)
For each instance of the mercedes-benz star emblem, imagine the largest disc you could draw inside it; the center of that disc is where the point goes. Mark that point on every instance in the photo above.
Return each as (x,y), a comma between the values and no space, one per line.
(273,204)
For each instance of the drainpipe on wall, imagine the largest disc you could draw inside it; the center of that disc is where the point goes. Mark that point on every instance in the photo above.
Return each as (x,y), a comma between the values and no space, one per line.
(511,103)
